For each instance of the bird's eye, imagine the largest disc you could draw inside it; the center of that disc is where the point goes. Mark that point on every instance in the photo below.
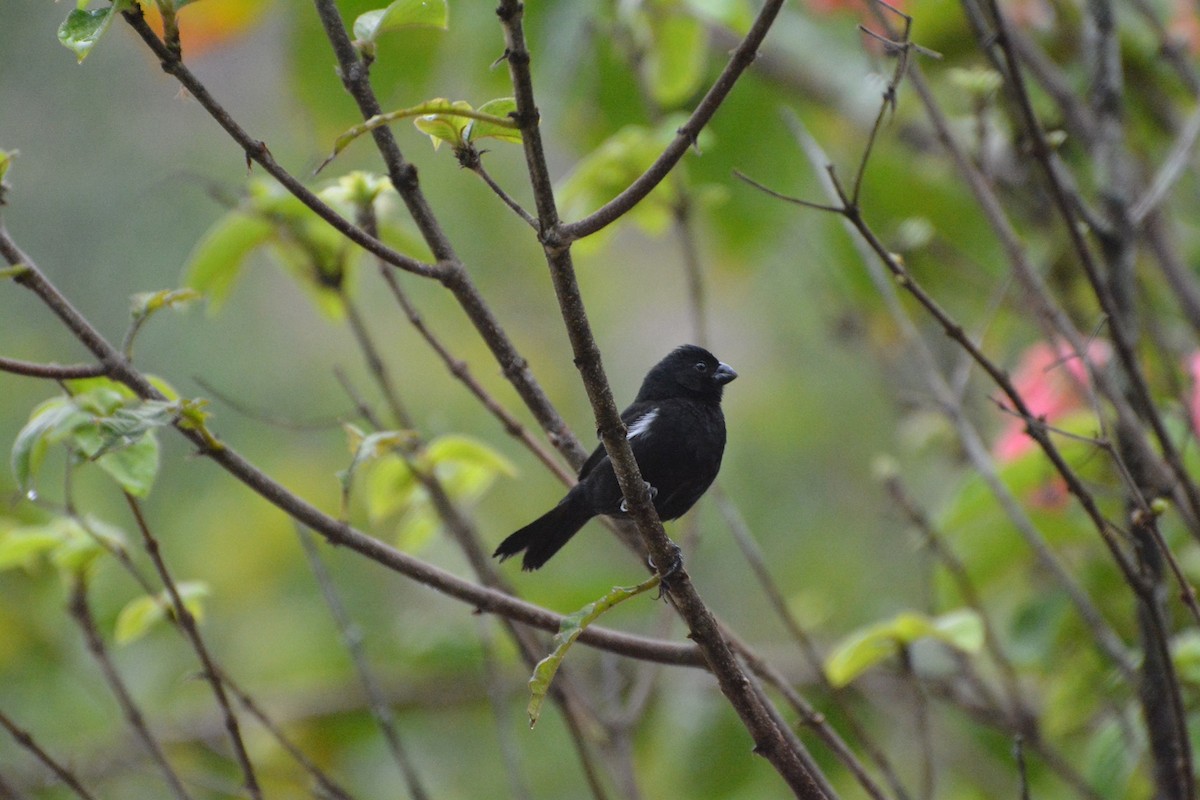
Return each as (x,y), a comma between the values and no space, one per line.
(701,367)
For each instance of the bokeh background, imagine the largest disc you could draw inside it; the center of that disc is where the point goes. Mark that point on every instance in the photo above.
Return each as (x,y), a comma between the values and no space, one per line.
(120,174)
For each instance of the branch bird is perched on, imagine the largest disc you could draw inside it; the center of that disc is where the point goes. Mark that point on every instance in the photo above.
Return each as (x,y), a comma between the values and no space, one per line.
(677,432)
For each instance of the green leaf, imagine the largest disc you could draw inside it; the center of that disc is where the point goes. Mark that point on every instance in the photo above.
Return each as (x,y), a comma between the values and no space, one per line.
(439,118)
(82,29)
(962,629)
(863,649)
(21,546)
(368,448)
(134,467)
(86,542)
(466,466)
(391,489)
(142,613)
(144,304)
(6,158)
(50,422)
(617,162)
(675,63)
(568,631)
(138,616)
(443,127)
(214,264)
(501,108)
(398,15)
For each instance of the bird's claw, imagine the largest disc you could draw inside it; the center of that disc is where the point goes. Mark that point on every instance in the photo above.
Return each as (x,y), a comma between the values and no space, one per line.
(653,494)
(665,576)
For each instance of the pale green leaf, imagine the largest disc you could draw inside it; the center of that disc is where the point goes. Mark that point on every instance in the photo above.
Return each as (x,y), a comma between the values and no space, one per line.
(569,630)
(144,304)
(138,616)
(20,546)
(501,108)
(82,29)
(84,543)
(870,645)
(370,25)
(961,629)
(215,262)
(368,448)
(142,613)
(857,653)
(675,64)
(50,422)
(134,467)
(390,488)
(446,127)
(465,466)
(6,157)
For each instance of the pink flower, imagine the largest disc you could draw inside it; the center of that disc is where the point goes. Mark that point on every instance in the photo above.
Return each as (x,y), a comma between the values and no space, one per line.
(1053,382)
(1193,368)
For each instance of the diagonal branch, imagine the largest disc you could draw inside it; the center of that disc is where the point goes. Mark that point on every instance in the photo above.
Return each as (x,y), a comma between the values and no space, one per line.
(785,755)
(258,152)
(743,56)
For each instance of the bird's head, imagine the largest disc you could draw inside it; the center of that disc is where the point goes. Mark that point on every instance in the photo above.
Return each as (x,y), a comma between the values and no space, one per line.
(687,371)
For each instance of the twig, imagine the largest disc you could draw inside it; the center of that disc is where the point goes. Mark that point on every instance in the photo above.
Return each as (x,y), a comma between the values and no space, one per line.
(56,372)
(1172,167)
(26,741)
(82,614)
(497,699)
(352,640)
(266,416)
(473,160)
(187,625)
(316,773)
(375,365)
(1019,757)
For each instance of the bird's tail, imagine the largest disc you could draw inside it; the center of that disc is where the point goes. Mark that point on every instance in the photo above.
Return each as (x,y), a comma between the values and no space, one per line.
(546,535)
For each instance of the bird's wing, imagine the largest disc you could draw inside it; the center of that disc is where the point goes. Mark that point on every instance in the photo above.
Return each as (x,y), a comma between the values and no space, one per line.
(637,419)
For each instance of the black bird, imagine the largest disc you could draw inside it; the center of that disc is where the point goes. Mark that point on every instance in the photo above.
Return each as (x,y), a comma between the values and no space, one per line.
(677,432)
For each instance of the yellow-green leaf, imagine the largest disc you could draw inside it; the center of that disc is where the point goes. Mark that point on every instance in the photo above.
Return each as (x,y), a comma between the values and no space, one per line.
(868,646)
(398,15)
(216,261)
(568,631)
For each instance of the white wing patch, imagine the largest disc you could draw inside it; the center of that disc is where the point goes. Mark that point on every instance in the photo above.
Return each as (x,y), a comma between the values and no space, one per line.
(641,425)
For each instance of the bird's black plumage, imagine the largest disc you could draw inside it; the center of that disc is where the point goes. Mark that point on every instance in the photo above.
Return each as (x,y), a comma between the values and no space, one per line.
(677,432)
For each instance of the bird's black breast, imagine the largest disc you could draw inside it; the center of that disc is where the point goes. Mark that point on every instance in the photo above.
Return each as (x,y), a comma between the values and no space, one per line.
(679,454)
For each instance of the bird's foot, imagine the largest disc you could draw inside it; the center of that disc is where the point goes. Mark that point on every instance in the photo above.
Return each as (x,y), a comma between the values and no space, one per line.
(653,494)
(665,576)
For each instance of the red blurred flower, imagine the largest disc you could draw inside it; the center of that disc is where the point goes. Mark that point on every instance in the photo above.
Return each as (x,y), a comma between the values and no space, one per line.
(209,25)
(1183,26)
(1052,381)
(1193,368)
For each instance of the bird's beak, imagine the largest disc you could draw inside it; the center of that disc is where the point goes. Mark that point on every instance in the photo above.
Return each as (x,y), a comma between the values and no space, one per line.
(724,373)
